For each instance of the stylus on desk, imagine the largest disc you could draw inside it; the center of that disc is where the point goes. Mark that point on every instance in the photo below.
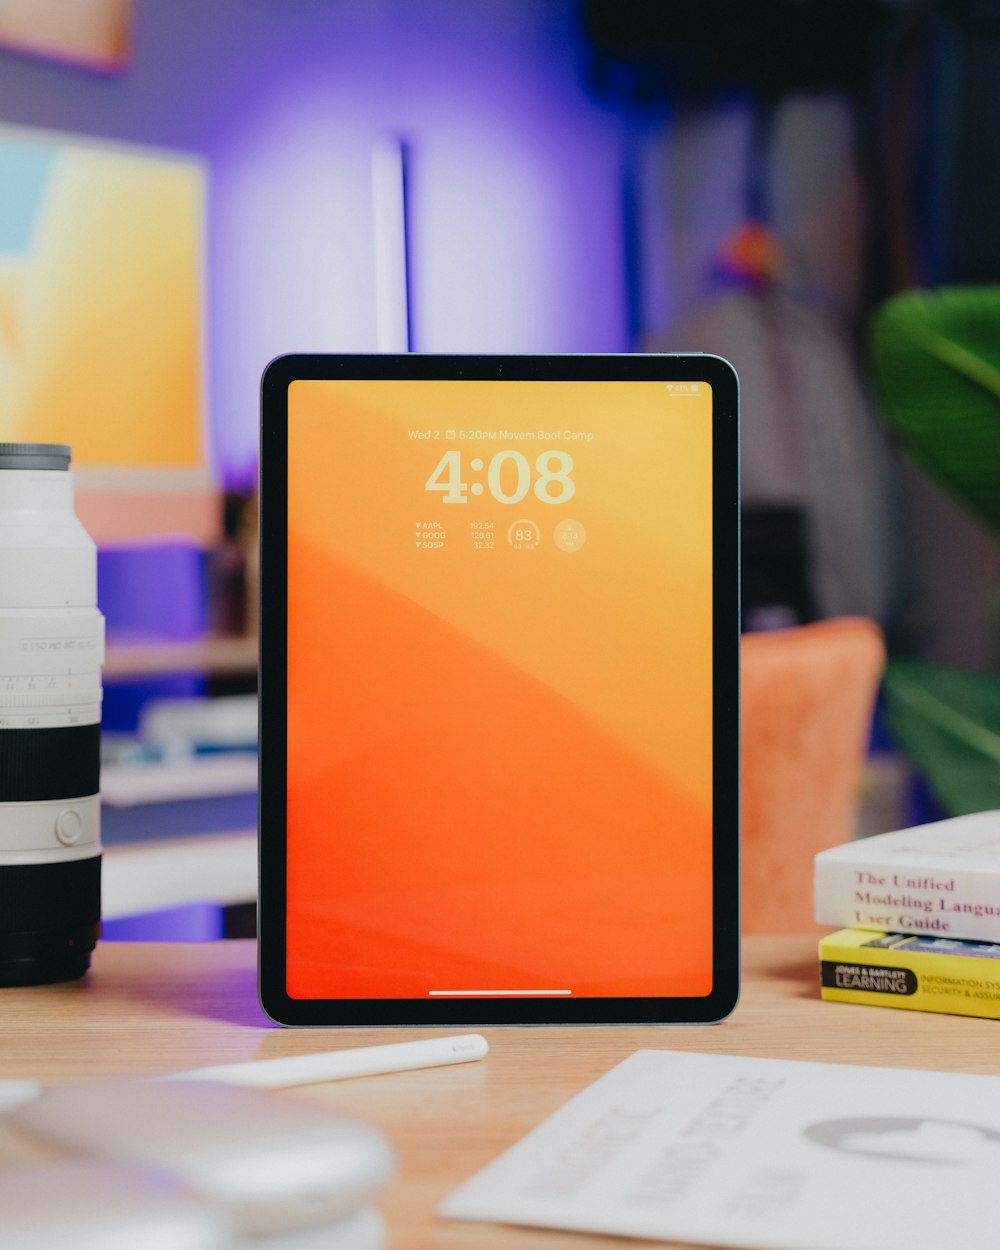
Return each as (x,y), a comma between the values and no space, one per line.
(335,1065)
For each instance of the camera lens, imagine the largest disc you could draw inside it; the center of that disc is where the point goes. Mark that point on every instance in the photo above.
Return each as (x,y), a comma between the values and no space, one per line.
(51,652)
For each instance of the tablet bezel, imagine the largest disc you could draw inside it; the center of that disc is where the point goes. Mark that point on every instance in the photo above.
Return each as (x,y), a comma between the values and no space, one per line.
(272,985)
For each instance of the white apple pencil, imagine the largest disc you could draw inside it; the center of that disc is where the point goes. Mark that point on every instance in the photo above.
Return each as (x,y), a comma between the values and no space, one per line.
(335,1065)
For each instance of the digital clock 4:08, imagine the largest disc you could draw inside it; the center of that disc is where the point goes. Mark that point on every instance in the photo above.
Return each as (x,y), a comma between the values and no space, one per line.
(509,477)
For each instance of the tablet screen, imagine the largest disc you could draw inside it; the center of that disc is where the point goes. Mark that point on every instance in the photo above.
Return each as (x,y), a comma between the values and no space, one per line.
(499,689)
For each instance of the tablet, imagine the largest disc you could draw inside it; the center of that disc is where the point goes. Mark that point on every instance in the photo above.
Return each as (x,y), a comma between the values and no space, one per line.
(499,690)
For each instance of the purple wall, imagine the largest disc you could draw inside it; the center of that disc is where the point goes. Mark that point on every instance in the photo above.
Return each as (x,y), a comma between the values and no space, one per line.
(517,236)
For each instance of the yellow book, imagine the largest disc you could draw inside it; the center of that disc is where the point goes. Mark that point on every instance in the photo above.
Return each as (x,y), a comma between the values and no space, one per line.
(918,973)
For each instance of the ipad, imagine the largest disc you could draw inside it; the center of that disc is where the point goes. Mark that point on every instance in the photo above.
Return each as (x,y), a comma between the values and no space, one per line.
(499,690)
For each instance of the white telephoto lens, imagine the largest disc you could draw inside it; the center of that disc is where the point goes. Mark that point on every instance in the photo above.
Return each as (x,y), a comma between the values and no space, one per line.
(51,652)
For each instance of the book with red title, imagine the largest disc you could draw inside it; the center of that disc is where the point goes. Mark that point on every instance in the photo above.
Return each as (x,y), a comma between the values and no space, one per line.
(937,880)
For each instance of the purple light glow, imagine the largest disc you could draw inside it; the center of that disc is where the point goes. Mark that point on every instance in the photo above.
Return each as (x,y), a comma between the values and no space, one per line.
(516,229)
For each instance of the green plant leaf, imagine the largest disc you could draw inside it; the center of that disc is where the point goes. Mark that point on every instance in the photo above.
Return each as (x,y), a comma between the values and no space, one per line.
(936,361)
(948,722)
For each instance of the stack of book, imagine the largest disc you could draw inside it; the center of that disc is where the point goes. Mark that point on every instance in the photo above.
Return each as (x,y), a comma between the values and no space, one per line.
(922,907)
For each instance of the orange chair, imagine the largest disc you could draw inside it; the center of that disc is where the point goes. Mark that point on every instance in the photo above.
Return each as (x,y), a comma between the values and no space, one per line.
(807,699)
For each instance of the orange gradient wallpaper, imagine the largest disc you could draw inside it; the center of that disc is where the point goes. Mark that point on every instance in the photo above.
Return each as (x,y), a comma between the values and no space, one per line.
(499,689)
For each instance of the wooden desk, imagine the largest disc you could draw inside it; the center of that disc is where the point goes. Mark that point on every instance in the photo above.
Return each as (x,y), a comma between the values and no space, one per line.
(157,1008)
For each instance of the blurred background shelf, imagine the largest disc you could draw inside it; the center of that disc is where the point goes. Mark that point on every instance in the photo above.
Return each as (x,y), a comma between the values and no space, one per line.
(215,656)
(218,869)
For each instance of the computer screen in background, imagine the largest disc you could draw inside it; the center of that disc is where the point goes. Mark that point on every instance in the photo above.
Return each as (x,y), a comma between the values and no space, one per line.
(101,312)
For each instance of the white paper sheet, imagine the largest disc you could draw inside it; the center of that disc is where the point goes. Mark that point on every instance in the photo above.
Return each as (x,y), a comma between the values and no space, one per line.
(759,1153)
